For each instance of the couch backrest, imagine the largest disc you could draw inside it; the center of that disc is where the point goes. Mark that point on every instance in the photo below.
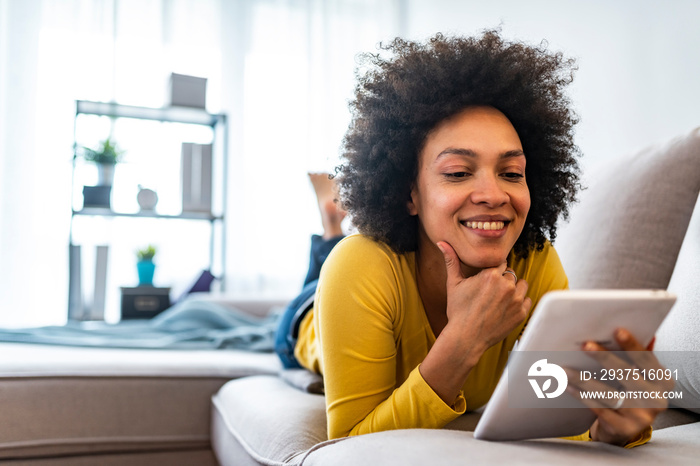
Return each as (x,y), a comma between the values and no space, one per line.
(628,227)
(678,338)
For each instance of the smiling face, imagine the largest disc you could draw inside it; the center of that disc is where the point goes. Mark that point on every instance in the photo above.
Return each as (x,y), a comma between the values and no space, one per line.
(470,190)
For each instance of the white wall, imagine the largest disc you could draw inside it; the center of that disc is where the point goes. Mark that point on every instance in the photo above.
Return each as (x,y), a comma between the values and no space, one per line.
(639,60)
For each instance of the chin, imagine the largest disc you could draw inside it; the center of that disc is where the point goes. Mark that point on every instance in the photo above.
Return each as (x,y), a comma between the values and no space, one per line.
(485,262)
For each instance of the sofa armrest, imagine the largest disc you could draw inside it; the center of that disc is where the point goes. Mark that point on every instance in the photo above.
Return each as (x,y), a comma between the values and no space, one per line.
(63,401)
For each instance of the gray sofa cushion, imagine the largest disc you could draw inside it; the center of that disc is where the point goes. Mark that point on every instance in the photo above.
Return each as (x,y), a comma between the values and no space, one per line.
(630,222)
(263,420)
(675,445)
(680,332)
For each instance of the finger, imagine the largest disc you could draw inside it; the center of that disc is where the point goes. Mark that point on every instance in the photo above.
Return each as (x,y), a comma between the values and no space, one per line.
(521,289)
(452,263)
(521,295)
(607,359)
(610,407)
(625,421)
(615,427)
(629,373)
(650,346)
(590,386)
(627,341)
(639,355)
(511,276)
(595,405)
(631,349)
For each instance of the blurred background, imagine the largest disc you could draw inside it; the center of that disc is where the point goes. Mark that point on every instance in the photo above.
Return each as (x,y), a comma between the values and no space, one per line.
(282,71)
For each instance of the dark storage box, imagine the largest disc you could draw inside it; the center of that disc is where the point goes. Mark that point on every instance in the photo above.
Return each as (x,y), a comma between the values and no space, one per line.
(144,302)
(96,196)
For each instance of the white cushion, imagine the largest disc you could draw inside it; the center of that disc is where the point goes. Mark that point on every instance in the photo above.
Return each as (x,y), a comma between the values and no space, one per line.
(678,339)
(630,223)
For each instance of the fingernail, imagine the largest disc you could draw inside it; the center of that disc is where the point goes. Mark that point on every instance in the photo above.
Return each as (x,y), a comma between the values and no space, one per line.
(589,346)
(440,247)
(623,335)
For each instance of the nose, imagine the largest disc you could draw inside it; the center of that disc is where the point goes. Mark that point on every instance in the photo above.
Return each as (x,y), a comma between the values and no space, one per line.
(489,190)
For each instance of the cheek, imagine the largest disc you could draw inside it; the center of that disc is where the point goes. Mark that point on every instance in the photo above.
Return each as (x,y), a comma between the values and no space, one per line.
(434,197)
(521,202)
(441,199)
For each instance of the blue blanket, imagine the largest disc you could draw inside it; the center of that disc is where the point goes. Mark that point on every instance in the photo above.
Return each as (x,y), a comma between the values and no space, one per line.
(190,324)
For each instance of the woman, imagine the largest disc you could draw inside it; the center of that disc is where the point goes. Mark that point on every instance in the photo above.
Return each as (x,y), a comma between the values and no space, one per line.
(458,163)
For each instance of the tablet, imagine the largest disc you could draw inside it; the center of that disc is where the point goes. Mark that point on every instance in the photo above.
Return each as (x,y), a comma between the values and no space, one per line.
(561,323)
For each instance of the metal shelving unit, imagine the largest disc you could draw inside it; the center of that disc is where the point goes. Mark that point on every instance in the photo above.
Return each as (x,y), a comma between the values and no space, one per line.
(182,115)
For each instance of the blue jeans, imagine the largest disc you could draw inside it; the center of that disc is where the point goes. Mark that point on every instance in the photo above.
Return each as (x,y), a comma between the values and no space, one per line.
(288,329)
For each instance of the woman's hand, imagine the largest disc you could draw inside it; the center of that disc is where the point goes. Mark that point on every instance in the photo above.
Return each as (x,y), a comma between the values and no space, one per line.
(481,311)
(619,425)
(489,304)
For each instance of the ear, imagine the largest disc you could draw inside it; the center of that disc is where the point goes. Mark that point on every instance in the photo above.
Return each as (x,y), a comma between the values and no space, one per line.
(411,204)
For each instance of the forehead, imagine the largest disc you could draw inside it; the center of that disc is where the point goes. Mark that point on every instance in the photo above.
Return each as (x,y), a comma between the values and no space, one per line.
(474,130)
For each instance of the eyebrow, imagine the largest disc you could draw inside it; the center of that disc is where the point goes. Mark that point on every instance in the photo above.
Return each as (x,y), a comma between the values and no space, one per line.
(471,153)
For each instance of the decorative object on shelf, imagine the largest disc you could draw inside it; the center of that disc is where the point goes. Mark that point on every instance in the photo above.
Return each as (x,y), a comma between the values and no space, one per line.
(196,177)
(144,302)
(105,156)
(97,196)
(147,198)
(188,91)
(145,266)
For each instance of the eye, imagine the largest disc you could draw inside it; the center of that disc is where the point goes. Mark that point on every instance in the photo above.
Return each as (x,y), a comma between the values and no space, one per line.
(513,176)
(457,175)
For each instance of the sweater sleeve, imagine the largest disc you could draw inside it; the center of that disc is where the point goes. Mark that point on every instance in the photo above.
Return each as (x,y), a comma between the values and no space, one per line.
(358,318)
(641,439)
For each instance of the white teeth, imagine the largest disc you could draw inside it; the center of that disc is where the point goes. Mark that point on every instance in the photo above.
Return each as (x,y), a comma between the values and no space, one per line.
(486,225)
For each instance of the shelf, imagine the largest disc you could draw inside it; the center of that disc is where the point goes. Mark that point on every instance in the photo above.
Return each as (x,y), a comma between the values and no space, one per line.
(105,212)
(188,115)
(89,225)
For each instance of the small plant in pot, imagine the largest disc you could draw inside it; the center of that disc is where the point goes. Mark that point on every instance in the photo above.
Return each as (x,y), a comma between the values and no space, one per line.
(145,266)
(105,156)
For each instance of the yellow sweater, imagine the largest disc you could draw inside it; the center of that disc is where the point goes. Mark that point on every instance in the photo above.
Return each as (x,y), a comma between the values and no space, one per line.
(368,333)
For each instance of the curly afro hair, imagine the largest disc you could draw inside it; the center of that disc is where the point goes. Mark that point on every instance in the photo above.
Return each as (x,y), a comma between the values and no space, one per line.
(401,98)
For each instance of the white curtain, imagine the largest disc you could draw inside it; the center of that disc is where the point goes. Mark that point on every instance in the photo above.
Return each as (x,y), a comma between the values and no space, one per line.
(281,70)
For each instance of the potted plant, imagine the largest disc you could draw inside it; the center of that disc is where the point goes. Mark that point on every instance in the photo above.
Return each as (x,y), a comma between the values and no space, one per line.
(145,266)
(105,156)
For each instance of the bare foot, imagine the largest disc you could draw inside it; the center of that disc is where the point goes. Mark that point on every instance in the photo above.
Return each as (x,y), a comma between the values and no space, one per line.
(326,195)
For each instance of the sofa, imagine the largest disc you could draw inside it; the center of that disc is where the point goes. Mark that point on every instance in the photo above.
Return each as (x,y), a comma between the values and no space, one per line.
(637,225)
